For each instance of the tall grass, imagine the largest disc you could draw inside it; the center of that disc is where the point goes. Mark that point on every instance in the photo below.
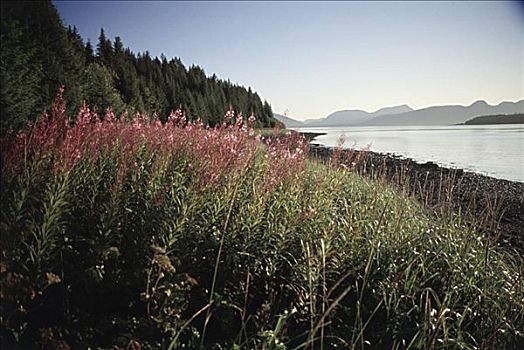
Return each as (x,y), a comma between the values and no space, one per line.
(141,234)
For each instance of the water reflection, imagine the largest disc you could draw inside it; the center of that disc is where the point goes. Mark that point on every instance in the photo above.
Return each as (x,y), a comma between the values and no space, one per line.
(495,150)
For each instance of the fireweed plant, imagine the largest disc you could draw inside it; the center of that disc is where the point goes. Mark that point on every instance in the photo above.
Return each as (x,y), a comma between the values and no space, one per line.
(129,233)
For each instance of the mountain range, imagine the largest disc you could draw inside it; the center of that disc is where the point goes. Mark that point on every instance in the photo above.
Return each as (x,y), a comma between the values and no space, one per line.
(405,115)
(288,122)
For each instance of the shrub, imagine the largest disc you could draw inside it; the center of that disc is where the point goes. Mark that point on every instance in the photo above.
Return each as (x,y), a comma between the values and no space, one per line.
(135,233)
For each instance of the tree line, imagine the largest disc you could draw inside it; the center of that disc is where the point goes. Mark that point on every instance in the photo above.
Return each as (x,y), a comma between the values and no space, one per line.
(517,118)
(39,54)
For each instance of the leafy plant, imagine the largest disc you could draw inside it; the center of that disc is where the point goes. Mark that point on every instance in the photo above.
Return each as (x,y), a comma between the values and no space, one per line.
(129,232)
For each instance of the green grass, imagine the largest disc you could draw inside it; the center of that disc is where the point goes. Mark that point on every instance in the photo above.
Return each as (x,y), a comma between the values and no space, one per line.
(279,253)
(273,132)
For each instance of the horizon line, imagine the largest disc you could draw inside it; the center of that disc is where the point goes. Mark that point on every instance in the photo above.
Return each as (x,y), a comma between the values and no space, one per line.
(398,105)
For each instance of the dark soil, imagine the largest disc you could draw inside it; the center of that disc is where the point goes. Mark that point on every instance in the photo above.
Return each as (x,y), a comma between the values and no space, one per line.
(494,205)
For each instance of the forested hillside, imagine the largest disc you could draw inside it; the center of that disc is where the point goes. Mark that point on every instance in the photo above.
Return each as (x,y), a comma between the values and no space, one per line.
(39,54)
(517,118)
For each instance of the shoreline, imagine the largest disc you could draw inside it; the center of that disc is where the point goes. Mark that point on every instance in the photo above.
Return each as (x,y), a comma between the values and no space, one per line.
(481,200)
(310,136)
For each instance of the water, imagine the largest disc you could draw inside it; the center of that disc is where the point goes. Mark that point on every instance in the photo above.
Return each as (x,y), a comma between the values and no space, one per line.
(493,150)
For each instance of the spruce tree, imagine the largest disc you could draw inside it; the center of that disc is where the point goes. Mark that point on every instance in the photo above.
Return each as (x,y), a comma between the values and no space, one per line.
(39,55)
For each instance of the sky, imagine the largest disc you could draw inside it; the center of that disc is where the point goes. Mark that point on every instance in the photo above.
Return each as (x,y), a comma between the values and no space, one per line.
(313,58)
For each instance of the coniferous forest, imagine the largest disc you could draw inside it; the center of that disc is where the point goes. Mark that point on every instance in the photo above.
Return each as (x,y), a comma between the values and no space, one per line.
(39,54)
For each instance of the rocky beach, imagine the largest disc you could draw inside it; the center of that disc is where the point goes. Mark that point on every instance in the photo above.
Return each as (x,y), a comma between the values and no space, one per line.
(494,205)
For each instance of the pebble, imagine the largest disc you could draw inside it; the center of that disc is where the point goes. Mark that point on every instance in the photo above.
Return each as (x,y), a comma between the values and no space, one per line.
(475,196)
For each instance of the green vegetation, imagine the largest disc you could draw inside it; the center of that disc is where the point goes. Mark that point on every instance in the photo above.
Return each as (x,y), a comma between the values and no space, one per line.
(123,228)
(273,132)
(39,55)
(147,235)
(497,119)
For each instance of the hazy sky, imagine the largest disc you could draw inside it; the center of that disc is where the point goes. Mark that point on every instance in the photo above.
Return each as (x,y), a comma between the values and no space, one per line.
(313,58)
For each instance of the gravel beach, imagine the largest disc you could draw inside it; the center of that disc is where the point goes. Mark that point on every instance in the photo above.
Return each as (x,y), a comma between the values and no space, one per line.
(494,205)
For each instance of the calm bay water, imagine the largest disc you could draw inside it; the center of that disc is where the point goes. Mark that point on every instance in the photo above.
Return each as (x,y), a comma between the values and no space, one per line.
(494,150)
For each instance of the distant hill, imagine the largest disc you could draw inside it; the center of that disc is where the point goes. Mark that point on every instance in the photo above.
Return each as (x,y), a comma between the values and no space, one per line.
(393,110)
(446,115)
(497,119)
(288,122)
(405,115)
(355,117)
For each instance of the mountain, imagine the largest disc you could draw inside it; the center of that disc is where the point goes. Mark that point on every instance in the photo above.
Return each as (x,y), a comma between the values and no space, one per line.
(446,115)
(355,116)
(393,110)
(346,117)
(288,122)
(497,119)
(405,115)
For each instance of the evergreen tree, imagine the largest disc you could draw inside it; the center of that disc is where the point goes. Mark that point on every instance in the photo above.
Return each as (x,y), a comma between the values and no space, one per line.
(89,54)
(118,46)
(20,92)
(34,38)
(39,54)
(104,49)
(99,90)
